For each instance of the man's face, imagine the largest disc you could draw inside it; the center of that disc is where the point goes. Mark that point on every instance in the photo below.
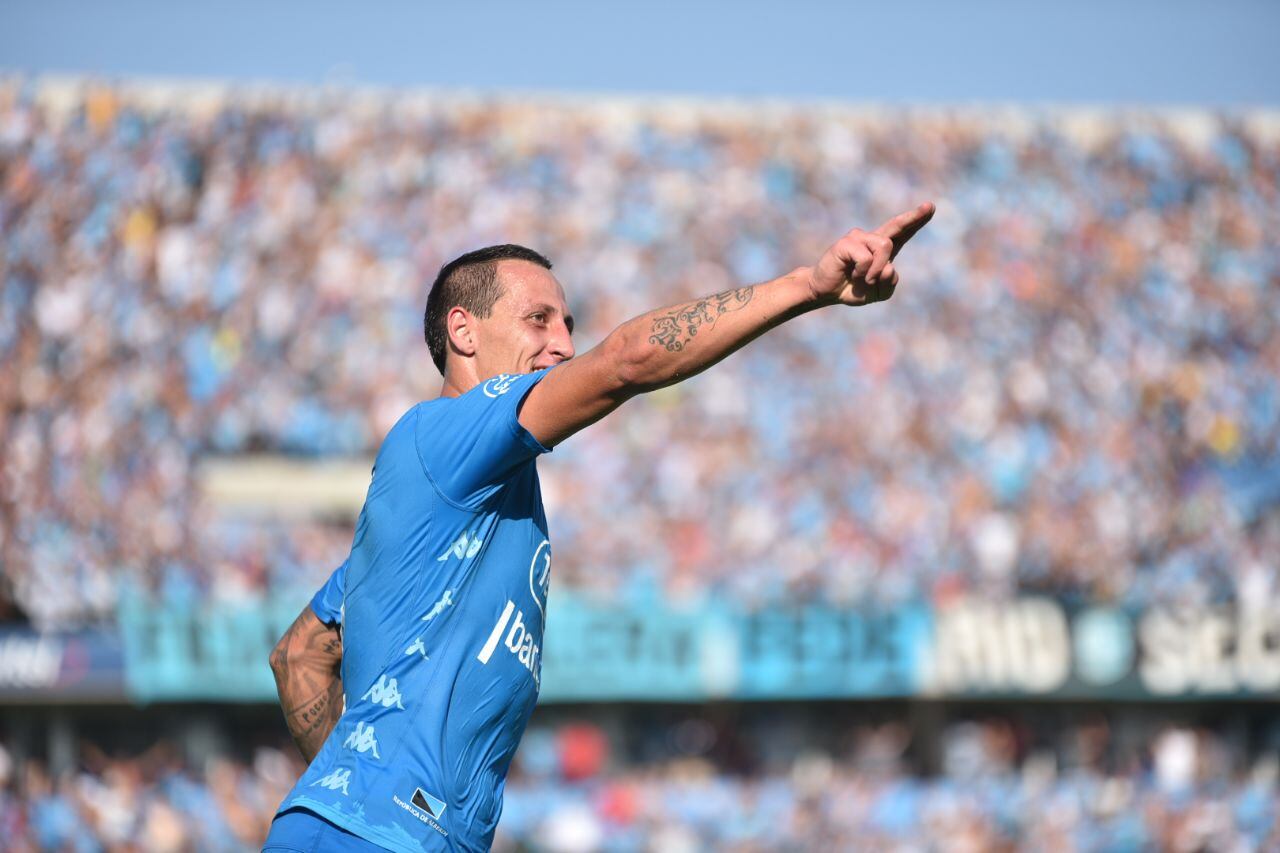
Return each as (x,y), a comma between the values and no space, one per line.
(530,327)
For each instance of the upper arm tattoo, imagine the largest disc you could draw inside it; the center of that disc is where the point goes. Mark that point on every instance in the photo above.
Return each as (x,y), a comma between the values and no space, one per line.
(678,326)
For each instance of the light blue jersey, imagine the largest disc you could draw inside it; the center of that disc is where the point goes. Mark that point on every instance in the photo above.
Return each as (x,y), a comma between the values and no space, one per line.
(327,602)
(443,603)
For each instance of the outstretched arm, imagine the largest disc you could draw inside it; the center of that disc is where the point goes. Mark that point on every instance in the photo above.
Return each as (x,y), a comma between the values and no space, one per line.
(306,663)
(671,344)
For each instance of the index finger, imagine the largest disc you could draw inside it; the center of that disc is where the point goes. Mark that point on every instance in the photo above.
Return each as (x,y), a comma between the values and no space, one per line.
(904,226)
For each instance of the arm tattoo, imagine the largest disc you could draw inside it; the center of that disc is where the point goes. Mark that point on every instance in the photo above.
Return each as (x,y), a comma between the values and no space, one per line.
(311,722)
(678,326)
(305,663)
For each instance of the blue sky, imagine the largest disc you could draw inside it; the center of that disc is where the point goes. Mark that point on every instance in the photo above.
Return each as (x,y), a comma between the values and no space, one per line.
(933,51)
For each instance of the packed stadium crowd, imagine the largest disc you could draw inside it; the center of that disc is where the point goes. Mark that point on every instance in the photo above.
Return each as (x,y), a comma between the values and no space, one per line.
(1075,390)
(570,793)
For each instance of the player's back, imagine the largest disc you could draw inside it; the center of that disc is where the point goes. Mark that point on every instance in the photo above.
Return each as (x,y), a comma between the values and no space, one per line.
(443,614)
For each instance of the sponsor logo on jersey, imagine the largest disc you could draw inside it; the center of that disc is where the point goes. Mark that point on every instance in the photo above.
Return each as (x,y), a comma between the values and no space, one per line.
(433,806)
(385,692)
(424,807)
(362,740)
(335,781)
(516,633)
(518,640)
(540,576)
(499,385)
(464,547)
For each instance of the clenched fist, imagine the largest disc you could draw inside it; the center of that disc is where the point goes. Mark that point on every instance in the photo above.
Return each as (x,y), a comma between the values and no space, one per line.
(859,269)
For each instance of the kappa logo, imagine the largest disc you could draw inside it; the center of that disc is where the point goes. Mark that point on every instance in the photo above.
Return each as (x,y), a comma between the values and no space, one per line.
(464,547)
(335,781)
(419,648)
(446,600)
(386,692)
(362,740)
(499,385)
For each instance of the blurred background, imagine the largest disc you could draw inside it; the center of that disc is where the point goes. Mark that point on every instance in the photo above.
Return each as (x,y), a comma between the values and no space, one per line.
(991,567)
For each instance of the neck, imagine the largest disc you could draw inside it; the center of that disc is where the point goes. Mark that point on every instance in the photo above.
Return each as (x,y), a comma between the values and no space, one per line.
(459,379)
(450,388)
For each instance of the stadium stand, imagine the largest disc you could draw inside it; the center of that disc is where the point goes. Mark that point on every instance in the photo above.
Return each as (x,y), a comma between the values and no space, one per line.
(1074,396)
(1074,393)
(694,784)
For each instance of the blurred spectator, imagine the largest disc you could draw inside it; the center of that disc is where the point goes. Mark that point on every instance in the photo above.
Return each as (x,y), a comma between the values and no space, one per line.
(1075,392)
(864,798)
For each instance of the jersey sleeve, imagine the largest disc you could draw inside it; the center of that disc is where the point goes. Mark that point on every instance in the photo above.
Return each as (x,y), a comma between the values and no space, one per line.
(327,603)
(471,444)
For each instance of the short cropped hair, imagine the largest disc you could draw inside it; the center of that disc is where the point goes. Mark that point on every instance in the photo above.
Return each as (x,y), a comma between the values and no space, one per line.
(469,281)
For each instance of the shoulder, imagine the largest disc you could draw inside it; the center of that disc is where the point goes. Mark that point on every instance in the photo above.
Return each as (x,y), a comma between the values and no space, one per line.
(504,383)
(496,393)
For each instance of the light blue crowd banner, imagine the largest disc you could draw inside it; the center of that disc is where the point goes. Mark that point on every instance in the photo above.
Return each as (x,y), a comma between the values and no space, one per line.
(217,653)
(713,651)
(650,649)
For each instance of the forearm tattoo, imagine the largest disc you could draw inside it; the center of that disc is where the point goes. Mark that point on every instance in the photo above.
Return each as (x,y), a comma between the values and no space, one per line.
(305,664)
(678,326)
(311,722)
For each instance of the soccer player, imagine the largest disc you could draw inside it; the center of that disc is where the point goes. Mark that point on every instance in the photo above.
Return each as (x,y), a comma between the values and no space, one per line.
(445,590)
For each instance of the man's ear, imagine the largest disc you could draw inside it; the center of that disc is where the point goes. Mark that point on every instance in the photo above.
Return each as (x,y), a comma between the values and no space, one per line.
(462,331)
